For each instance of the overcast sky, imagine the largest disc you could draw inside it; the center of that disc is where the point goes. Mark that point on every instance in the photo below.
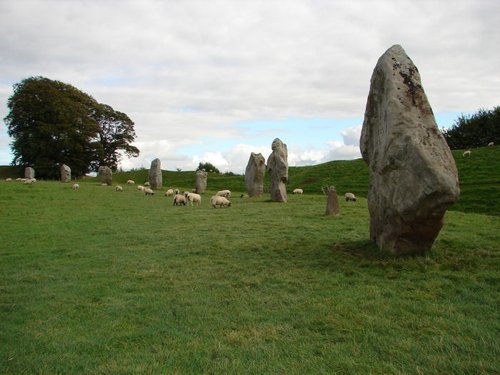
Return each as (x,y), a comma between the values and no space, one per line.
(213,81)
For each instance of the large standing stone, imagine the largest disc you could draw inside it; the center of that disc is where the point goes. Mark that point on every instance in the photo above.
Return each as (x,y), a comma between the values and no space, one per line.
(29,173)
(413,176)
(65,173)
(155,178)
(254,175)
(106,175)
(277,165)
(332,201)
(201,181)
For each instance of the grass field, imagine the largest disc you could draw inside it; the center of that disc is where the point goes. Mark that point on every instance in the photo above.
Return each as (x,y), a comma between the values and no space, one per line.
(99,282)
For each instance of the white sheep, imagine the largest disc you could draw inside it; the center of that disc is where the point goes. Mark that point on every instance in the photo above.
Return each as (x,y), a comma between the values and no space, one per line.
(75,187)
(176,191)
(193,198)
(298,191)
(218,200)
(8,179)
(118,188)
(130,182)
(148,191)
(29,181)
(350,197)
(491,144)
(146,183)
(169,193)
(224,193)
(467,153)
(140,188)
(179,199)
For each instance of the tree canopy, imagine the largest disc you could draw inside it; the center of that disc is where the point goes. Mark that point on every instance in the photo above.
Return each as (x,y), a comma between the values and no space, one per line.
(476,130)
(208,167)
(53,123)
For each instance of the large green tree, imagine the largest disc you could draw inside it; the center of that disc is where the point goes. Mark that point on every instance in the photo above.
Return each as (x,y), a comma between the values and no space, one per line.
(476,130)
(53,123)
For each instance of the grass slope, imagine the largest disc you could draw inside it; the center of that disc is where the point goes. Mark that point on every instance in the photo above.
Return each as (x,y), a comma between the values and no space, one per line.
(94,281)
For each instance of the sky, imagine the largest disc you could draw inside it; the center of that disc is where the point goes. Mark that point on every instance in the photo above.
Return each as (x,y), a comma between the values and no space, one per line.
(213,81)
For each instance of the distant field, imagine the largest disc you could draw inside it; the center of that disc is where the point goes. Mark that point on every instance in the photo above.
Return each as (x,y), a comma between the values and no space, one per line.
(94,281)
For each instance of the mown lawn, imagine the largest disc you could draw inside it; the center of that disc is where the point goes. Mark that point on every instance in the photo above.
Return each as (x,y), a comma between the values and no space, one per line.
(99,282)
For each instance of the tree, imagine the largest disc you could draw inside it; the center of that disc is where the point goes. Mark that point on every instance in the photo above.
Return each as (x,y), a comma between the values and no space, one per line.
(208,167)
(116,132)
(52,123)
(476,130)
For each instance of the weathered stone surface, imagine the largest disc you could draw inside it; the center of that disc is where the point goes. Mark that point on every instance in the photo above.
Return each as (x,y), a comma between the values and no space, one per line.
(65,173)
(332,201)
(106,175)
(29,173)
(155,177)
(277,166)
(413,176)
(201,181)
(254,175)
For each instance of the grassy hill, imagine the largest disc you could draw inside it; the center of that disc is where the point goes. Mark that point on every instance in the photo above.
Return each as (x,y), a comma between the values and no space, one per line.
(99,282)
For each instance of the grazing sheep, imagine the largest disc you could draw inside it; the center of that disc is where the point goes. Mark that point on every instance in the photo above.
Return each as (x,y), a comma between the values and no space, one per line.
(8,179)
(169,193)
(140,187)
(179,199)
(75,187)
(224,193)
(298,191)
(350,197)
(148,191)
(467,153)
(29,181)
(119,188)
(218,200)
(146,183)
(193,198)
(130,182)
(491,144)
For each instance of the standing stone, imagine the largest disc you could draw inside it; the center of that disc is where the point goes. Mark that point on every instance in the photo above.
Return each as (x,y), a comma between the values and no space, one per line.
(277,165)
(155,178)
(29,173)
(106,175)
(413,176)
(201,181)
(332,201)
(65,173)
(254,175)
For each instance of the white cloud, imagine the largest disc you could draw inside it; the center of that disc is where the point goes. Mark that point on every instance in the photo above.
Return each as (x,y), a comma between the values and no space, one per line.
(188,71)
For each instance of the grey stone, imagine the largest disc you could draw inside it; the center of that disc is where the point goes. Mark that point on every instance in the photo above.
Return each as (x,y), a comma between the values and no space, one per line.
(254,175)
(201,181)
(332,201)
(65,173)
(155,177)
(106,175)
(413,176)
(277,166)
(29,173)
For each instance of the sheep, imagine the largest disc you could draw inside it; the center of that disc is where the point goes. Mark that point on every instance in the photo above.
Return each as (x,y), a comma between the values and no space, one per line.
(8,179)
(148,191)
(179,199)
(130,182)
(491,144)
(224,193)
(193,198)
(140,188)
(176,191)
(169,192)
(118,188)
(75,187)
(218,200)
(29,181)
(146,183)
(467,153)
(298,191)
(350,197)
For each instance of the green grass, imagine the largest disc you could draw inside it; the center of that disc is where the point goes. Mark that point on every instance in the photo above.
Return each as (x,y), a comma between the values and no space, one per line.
(99,282)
